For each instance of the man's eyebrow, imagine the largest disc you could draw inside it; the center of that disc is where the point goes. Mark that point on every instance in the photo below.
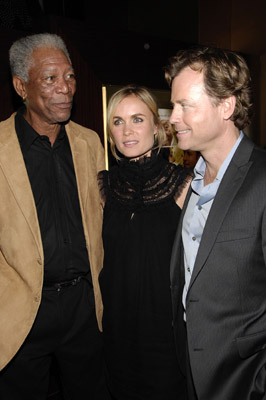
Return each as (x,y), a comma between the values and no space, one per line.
(54,67)
(179,101)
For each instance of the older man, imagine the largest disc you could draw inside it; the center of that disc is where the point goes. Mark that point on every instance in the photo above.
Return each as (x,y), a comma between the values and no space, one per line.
(221,242)
(50,231)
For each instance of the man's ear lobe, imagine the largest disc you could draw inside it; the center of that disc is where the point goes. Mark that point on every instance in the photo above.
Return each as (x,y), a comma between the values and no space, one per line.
(229,106)
(20,87)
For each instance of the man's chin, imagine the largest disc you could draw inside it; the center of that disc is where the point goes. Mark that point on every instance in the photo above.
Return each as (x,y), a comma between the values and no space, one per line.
(61,118)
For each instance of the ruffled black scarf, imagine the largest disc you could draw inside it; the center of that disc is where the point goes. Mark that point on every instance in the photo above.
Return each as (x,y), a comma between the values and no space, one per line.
(145,182)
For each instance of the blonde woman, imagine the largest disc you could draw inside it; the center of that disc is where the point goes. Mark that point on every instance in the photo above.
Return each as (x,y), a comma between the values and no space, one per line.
(143,196)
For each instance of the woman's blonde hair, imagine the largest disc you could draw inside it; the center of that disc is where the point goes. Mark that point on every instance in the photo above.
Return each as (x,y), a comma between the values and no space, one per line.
(144,95)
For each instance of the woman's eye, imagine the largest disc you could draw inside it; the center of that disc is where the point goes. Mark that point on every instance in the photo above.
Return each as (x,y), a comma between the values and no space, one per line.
(138,119)
(117,122)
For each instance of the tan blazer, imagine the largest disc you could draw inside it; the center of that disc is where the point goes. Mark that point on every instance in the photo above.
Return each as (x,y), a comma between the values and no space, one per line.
(21,252)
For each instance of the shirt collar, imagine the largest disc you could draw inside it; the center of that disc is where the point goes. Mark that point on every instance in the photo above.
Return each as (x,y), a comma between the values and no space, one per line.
(200,167)
(27,135)
(209,191)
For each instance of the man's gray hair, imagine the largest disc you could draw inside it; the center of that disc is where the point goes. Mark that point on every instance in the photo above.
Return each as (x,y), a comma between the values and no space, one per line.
(20,53)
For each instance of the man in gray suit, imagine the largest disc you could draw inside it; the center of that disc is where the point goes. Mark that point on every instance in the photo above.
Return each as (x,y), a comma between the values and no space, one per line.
(218,267)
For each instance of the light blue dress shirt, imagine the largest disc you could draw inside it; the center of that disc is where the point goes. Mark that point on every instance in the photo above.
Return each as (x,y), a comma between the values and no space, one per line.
(198,210)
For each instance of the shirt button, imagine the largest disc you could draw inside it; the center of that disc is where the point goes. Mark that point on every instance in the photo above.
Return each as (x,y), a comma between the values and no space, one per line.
(193,238)
(199,207)
(188,269)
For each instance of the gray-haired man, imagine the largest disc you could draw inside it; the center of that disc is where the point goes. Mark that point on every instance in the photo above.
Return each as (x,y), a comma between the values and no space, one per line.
(50,231)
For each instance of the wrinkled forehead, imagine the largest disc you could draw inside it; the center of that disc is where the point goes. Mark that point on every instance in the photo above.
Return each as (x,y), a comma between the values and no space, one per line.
(48,56)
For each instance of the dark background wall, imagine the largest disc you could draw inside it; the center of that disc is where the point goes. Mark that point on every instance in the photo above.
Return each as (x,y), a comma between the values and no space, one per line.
(130,41)
(110,44)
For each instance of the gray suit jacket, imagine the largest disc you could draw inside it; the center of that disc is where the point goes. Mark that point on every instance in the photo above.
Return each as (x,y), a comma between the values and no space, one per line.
(226,301)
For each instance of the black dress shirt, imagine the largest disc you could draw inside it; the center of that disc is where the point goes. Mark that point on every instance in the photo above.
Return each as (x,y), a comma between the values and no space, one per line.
(53,182)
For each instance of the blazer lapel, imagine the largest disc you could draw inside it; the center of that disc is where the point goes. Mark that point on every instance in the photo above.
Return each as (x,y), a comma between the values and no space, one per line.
(13,167)
(79,153)
(231,183)
(177,245)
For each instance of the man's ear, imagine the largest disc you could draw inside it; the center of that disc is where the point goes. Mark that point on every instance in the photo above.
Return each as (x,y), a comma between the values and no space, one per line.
(229,107)
(20,87)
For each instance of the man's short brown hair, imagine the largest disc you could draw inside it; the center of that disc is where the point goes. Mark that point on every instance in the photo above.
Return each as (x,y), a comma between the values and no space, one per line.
(225,74)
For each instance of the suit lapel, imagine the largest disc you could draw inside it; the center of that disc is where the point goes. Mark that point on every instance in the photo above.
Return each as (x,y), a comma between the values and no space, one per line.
(177,245)
(231,183)
(13,167)
(79,153)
